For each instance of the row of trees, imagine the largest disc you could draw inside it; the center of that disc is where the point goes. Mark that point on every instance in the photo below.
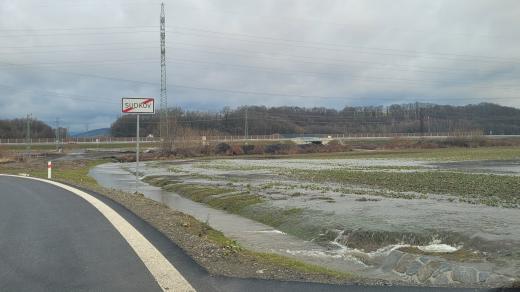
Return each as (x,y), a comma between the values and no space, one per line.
(17,129)
(261,120)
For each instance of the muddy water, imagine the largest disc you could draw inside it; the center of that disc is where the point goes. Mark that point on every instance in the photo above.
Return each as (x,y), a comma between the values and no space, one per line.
(510,167)
(447,226)
(248,233)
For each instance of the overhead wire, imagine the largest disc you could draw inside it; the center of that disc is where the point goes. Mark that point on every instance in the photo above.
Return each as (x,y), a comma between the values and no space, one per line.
(340,47)
(273,70)
(233,91)
(291,42)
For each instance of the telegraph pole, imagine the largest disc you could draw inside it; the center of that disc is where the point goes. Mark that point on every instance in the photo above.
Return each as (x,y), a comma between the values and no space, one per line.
(58,134)
(164,125)
(28,133)
(246,126)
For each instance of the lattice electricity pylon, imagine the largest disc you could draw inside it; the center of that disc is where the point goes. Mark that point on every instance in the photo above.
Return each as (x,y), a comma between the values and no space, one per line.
(164,127)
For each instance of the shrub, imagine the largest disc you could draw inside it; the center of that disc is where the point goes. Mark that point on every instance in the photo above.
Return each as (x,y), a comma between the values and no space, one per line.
(457,142)
(222,148)
(336,146)
(273,148)
(367,146)
(186,152)
(278,148)
(248,149)
(206,150)
(236,150)
(307,148)
(259,149)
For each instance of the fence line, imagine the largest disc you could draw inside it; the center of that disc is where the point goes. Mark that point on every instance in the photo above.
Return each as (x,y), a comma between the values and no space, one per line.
(235,138)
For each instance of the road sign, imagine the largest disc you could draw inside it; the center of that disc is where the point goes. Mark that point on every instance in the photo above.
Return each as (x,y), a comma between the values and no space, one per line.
(138,105)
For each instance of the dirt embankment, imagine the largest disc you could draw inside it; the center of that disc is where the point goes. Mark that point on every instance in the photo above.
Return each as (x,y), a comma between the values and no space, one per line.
(270,148)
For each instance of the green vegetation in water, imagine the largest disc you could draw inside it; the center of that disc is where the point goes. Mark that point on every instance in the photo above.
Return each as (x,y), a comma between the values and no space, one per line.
(224,165)
(441,154)
(275,217)
(493,190)
(217,197)
(241,203)
(228,200)
(175,169)
(294,221)
(234,203)
(194,192)
(323,198)
(160,180)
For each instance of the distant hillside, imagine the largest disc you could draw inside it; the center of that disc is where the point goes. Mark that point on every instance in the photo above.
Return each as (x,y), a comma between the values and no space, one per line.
(397,118)
(103,132)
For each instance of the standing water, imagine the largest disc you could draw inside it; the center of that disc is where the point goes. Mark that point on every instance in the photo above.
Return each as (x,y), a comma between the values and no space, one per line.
(389,262)
(250,234)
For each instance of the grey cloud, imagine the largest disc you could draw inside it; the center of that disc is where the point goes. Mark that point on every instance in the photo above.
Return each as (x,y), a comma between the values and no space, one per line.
(347,52)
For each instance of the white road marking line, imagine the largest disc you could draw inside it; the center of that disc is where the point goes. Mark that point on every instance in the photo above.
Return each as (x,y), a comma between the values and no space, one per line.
(168,278)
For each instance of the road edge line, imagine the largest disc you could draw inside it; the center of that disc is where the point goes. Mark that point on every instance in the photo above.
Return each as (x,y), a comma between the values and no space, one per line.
(166,275)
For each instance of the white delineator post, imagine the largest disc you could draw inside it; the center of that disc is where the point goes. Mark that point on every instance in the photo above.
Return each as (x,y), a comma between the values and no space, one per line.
(49,169)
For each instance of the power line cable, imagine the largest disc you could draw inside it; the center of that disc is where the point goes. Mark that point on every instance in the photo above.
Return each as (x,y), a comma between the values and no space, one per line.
(82,98)
(333,46)
(362,78)
(321,45)
(244,92)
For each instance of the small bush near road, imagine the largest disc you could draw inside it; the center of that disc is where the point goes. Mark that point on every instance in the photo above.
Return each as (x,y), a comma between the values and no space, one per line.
(222,148)
(248,149)
(236,150)
(278,148)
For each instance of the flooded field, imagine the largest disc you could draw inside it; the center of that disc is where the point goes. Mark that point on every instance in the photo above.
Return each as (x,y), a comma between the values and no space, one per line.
(419,221)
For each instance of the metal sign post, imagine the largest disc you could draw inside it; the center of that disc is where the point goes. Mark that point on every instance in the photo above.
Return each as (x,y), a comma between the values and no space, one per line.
(137,106)
(137,156)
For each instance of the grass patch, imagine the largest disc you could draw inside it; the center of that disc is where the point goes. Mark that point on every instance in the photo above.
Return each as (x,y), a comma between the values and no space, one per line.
(441,154)
(159,180)
(299,266)
(234,203)
(323,198)
(226,199)
(72,172)
(275,217)
(493,190)
(196,193)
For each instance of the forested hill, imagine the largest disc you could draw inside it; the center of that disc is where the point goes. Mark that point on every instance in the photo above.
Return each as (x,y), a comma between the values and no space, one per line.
(404,118)
(17,129)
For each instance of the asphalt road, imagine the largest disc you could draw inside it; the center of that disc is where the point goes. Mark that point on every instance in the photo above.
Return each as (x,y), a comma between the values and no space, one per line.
(54,240)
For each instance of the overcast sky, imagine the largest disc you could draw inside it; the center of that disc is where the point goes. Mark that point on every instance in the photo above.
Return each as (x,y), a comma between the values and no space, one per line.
(74,60)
